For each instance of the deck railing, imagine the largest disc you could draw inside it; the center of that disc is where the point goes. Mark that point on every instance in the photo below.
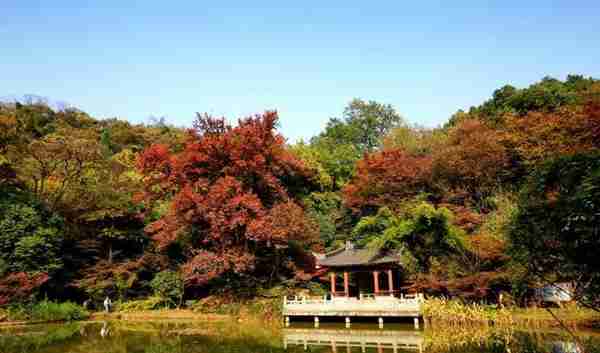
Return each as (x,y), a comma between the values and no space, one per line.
(366,302)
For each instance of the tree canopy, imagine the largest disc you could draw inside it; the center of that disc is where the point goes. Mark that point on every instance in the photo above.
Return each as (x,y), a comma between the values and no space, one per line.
(501,198)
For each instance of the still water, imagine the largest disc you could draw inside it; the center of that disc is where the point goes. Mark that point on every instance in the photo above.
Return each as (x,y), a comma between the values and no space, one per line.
(230,337)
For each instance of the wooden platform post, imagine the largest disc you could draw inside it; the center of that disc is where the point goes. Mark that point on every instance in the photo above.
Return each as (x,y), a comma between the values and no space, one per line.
(376,281)
(390,282)
(380,320)
(316,322)
(346,284)
(347,322)
(332,279)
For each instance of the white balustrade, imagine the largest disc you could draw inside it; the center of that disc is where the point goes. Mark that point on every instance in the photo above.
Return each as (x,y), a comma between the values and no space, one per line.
(365,303)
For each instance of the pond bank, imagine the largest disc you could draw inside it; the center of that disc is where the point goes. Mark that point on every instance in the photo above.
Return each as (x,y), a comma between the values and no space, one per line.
(453,312)
(434,312)
(149,315)
(164,314)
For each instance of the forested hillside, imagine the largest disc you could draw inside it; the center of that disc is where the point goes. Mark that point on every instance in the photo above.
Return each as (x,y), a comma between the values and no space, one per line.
(503,196)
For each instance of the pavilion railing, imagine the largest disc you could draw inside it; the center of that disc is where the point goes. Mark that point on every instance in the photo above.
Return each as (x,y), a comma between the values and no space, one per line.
(415,299)
(383,293)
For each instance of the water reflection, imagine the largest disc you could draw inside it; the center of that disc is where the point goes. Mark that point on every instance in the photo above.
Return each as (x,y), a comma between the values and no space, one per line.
(250,337)
(345,340)
(564,347)
(104,331)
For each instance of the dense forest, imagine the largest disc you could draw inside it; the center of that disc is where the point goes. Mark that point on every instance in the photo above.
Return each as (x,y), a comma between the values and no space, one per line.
(503,197)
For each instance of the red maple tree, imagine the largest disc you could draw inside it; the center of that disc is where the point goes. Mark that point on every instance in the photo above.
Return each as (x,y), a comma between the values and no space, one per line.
(386,178)
(19,286)
(233,195)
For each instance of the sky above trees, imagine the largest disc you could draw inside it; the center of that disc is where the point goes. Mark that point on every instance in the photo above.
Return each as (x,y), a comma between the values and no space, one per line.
(135,59)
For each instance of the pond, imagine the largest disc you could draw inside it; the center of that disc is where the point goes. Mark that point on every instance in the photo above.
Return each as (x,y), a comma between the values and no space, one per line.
(231,337)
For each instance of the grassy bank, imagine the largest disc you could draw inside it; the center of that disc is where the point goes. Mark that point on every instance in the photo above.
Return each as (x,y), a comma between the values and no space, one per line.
(44,311)
(454,312)
(159,314)
(436,312)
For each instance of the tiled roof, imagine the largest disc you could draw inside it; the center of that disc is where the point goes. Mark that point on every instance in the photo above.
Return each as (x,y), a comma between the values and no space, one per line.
(350,256)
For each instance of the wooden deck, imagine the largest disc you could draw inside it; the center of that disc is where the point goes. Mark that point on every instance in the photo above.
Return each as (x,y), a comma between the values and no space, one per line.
(348,339)
(380,306)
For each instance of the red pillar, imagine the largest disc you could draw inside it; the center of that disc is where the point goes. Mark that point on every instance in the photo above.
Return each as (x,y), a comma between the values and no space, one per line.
(376,281)
(332,277)
(346,284)
(390,281)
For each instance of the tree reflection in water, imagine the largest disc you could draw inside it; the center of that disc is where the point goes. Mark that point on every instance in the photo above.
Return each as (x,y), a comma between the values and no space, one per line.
(231,337)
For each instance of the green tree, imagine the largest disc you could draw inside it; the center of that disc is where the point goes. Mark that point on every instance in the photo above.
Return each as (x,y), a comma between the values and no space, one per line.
(30,236)
(556,230)
(345,140)
(168,285)
(365,123)
(547,96)
(421,229)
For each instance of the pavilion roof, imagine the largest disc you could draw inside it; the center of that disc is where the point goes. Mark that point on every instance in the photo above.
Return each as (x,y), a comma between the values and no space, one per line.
(354,256)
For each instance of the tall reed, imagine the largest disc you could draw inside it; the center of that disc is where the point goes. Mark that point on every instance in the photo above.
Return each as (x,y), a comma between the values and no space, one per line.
(455,312)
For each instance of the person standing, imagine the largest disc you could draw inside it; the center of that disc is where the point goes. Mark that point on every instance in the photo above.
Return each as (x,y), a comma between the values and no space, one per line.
(107,304)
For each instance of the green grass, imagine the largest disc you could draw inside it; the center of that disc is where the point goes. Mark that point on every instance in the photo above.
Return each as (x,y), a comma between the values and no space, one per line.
(52,311)
(46,310)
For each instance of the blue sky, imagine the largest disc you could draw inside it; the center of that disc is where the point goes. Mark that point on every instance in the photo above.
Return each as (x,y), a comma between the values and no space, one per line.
(133,59)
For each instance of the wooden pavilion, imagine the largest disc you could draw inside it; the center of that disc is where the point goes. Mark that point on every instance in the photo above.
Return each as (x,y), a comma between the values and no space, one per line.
(364,271)
(370,280)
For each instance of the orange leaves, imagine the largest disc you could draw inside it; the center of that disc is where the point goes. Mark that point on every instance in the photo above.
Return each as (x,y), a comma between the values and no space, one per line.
(473,158)
(286,221)
(538,136)
(154,158)
(385,177)
(488,248)
(206,265)
(18,286)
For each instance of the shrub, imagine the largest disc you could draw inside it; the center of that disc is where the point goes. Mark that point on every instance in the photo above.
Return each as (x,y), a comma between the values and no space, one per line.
(46,311)
(150,303)
(168,285)
(51,311)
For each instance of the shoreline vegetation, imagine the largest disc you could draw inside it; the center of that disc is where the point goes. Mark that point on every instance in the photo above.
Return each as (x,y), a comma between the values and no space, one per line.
(436,312)
(491,207)
(456,313)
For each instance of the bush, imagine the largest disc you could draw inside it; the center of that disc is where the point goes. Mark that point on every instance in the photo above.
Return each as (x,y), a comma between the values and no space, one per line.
(45,311)
(168,285)
(150,303)
(16,312)
(51,311)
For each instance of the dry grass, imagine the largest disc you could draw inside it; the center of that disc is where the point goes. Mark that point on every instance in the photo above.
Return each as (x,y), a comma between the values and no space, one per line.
(455,313)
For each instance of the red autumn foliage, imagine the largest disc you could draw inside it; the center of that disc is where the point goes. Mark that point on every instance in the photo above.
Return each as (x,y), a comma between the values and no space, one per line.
(285,221)
(539,136)
(387,177)
(206,265)
(19,286)
(473,159)
(464,217)
(103,276)
(233,194)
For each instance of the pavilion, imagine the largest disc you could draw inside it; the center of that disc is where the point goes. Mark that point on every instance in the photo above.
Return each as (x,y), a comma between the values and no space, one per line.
(370,279)
(364,271)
